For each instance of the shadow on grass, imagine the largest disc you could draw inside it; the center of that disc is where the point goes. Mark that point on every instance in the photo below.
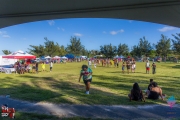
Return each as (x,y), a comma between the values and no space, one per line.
(176,66)
(67,91)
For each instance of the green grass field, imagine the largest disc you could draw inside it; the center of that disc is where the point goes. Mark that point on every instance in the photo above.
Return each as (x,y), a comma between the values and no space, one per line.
(109,86)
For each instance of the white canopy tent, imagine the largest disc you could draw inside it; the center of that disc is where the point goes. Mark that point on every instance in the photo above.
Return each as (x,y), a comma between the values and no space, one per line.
(47,57)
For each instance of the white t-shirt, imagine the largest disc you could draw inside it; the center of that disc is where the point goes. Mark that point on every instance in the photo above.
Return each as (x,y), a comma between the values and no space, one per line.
(133,66)
(51,64)
(147,64)
(89,62)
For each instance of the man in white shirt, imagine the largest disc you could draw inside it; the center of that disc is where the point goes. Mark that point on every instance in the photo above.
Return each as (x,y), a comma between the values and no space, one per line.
(147,67)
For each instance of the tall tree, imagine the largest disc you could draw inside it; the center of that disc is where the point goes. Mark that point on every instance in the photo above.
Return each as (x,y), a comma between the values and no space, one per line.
(108,50)
(84,52)
(61,50)
(75,47)
(135,52)
(37,50)
(50,47)
(144,46)
(123,49)
(6,52)
(176,43)
(163,46)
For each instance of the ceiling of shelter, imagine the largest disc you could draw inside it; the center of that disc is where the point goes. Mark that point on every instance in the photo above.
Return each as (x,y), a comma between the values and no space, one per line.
(14,12)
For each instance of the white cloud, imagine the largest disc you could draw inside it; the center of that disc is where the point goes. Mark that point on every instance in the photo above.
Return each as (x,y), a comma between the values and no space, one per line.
(104,32)
(116,32)
(51,22)
(78,34)
(60,28)
(6,36)
(167,28)
(3,32)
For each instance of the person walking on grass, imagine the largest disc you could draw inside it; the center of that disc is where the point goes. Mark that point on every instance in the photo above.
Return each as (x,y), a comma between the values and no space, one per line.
(37,67)
(86,73)
(128,66)
(51,66)
(123,67)
(153,68)
(43,66)
(147,67)
(89,63)
(133,67)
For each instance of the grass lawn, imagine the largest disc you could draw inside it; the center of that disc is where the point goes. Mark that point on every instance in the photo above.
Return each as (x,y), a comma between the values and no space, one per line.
(109,86)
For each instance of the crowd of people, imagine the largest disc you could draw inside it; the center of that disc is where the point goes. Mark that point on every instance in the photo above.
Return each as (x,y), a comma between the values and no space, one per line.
(129,65)
(22,67)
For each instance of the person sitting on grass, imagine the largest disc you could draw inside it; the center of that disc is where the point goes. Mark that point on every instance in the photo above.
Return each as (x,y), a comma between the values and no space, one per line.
(136,93)
(149,86)
(155,92)
(87,77)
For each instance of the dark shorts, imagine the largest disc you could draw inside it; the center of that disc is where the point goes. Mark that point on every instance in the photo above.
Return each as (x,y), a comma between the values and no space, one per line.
(86,81)
(123,68)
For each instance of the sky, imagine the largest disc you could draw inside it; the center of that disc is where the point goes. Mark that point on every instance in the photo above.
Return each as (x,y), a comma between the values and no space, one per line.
(92,32)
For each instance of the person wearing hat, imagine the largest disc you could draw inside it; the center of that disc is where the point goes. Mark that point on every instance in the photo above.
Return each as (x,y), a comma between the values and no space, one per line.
(153,68)
(86,73)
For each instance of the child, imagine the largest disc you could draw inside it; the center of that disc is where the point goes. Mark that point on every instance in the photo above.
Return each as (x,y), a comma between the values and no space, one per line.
(51,66)
(43,66)
(87,77)
(133,67)
(94,64)
(123,67)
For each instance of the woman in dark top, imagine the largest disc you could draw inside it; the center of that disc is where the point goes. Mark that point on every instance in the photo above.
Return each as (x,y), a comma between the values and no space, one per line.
(136,93)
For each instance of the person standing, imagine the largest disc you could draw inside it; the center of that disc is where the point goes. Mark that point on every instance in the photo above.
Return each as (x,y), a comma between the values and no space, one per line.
(123,67)
(86,73)
(43,66)
(147,67)
(33,67)
(153,68)
(51,66)
(36,67)
(117,62)
(89,63)
(133,67)
(128,66)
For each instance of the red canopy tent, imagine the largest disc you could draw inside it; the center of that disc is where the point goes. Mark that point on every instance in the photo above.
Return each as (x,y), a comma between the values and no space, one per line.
(19,55)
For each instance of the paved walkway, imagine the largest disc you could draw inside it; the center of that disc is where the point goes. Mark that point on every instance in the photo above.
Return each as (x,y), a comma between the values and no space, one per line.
(95,111)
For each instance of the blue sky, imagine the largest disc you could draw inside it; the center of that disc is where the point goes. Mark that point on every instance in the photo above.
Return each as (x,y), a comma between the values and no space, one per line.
(92,32)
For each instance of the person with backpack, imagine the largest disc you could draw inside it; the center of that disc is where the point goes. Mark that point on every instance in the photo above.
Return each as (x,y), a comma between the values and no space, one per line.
(136,93)
(153,68)
(86,73)
(147,67)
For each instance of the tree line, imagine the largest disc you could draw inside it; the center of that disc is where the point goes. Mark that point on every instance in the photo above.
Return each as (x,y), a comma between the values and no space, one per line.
(164,47)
